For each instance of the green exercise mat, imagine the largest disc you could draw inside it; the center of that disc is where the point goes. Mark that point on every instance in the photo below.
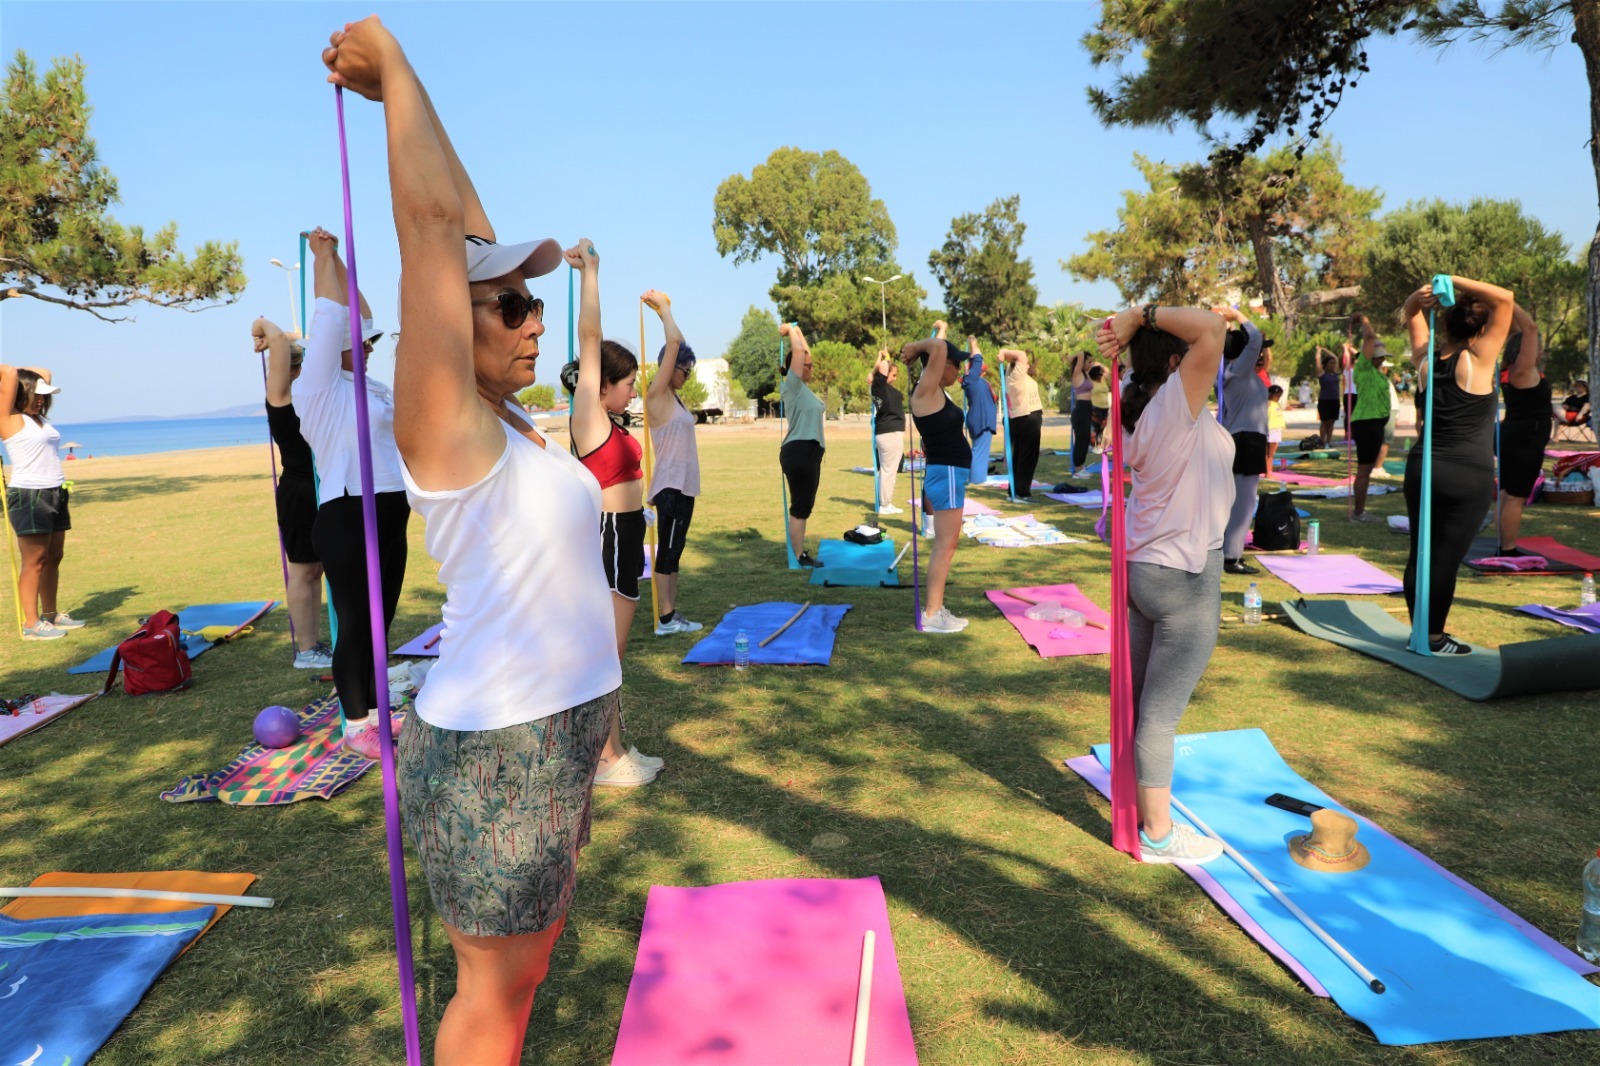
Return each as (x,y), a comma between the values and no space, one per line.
(1561,664)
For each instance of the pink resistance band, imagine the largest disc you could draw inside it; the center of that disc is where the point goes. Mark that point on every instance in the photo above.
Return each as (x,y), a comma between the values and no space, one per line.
(1124,777)
(380,644)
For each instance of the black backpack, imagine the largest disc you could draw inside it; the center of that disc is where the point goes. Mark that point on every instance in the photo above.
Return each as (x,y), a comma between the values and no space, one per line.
(1312,443)
(1277,523)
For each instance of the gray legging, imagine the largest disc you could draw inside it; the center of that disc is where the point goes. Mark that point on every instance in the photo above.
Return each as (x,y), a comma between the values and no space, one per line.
(1172,630)
(1244,508)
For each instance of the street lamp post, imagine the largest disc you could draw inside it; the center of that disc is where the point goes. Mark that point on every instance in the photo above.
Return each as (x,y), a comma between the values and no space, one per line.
(883,298)
(288,274)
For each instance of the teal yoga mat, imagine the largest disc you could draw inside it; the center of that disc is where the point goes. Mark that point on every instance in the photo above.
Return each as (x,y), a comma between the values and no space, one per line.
(192,620)
(1561,664)
(1455,965)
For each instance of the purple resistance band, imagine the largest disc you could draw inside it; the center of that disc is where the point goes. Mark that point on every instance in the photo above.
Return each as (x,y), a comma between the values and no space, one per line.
(272,465)
(380,649)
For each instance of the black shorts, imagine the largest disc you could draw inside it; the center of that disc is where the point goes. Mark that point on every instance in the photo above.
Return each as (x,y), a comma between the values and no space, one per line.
(1249,454)
(297,513)
(1368,435)
(622,549)
(1328,410)
(674,512)
(801,461)
(38,512)
(1522,445)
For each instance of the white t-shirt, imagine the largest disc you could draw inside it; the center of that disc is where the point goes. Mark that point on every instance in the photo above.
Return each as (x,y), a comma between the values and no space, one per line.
(325,397)
(35,452)
(1182,482)
(528,624)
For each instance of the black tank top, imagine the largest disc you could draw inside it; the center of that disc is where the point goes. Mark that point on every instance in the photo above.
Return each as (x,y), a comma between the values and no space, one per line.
(944,438)
(284,425)
(1463,424)
(1532,404)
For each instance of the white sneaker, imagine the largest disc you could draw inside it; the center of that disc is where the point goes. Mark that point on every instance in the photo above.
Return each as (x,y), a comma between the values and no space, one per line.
(1183,847)
(678,624)
(890,508)
(646,760)
(313,659)
(626,772)
(942,621)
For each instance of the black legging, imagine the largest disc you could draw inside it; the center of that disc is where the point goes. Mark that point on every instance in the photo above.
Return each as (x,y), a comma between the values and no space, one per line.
(1461,497)
(1082,431)
(341,545)
(1025,432)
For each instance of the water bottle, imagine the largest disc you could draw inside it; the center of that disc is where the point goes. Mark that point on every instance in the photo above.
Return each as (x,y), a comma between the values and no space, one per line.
(1586,594)
(1252,605)
(741,650)
(1589,928)
(1313,537)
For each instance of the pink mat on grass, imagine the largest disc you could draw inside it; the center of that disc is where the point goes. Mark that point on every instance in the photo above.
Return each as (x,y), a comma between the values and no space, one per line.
(1301,479)
(762,973)
(1086,641)
(1330,575)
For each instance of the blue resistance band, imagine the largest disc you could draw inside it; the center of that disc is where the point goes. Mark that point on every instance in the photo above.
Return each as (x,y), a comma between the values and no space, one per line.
(1444,289)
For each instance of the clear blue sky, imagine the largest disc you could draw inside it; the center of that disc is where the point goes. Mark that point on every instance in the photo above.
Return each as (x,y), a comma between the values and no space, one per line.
(618,121)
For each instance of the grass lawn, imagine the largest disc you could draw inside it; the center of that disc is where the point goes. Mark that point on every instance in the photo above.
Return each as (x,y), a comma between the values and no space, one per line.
(932,762)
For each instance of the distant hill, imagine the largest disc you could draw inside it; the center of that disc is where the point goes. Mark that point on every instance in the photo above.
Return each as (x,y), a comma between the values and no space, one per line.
(244,410)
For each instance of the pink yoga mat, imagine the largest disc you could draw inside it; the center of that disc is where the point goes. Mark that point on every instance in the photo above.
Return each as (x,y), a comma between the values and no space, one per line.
(1087,641)
(762,973)
(1330,575)
(1302,479)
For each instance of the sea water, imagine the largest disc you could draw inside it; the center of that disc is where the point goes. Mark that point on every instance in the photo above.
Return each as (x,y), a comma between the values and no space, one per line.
(159,435)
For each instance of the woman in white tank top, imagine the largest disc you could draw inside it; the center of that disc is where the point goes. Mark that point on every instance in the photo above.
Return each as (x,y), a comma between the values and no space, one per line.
(496,777)
(36,498)
(675,482)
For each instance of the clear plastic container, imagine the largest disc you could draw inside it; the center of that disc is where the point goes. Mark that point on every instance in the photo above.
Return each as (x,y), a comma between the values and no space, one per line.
(1252,605)
(1052,611)
(1589,928)
(741,650)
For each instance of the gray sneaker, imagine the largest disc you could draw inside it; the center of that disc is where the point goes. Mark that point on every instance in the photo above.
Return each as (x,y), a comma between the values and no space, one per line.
(677,624)
(43,631)
(1365,516)
(63,620)
(313,659)
(942,621)
(1184,847)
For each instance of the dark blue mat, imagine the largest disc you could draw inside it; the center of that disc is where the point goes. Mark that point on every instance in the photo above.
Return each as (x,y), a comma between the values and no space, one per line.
(192,619)
(809,642)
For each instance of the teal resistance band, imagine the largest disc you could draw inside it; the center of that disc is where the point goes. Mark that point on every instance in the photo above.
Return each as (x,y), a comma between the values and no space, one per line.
(783,484)
(1005,421)
(1444,289)
(305,323)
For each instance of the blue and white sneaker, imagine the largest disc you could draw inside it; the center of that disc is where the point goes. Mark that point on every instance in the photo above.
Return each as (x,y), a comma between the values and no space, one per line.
(677,624)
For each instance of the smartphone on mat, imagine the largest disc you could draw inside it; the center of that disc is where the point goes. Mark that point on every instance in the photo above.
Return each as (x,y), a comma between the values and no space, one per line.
(1289,803)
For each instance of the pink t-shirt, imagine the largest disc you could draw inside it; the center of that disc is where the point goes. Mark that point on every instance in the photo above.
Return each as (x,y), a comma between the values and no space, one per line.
(1182,482)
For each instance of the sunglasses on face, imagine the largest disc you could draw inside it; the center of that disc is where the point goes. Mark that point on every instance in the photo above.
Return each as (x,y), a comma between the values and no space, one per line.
(515,308)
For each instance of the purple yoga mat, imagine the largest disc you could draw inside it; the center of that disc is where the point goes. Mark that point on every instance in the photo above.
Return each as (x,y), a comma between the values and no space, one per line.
(418,645)
(1330,575)
(762,972)
(1584,618)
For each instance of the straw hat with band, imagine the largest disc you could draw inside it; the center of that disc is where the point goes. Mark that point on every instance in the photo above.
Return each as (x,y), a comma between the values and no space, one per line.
(1331,846)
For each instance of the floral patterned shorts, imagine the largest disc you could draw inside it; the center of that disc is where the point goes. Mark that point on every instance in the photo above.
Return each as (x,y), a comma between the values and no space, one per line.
(498,815)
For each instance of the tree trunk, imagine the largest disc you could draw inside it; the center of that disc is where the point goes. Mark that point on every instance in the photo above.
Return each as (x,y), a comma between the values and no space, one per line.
(1278,303)
(1586,32)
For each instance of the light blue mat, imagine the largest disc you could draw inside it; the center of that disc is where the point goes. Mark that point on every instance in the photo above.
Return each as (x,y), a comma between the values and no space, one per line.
(71,981)
(809,642)
(845,563)
(1456,968)
(192,620)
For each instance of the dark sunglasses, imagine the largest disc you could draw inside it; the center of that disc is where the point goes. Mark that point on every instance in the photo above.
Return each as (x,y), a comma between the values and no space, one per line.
(515,308)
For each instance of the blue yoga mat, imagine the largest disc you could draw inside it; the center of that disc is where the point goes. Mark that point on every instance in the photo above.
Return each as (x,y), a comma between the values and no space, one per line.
(71,981)
(1455,967)
(192,619)
(809,642)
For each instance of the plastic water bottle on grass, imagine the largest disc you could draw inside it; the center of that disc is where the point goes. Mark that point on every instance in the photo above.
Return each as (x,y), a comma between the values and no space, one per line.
(741,650)
(1252,605)
(1586,593)
(1589,928)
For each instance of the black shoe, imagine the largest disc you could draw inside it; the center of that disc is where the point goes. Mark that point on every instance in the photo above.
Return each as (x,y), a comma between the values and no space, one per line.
(1510,553)
(1448,645)
(1239,566)
(805,560)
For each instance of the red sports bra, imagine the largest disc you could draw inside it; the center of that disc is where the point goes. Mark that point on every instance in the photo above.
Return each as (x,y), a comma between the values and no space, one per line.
(615,461)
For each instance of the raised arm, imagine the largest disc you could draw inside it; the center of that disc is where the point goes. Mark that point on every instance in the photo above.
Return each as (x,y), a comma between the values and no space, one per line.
(1203,331)
(10,421)
(659,395)
(473,216)
(330,280)
(447,434)
(1500,302)
(1369,336)
(797,347)
(1415,320)
(927,398)
(276,343)
(590,423)
(1525,368)
(1078,369)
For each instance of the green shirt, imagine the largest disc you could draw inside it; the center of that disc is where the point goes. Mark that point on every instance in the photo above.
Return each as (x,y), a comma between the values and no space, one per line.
(802,408)
(1372,391)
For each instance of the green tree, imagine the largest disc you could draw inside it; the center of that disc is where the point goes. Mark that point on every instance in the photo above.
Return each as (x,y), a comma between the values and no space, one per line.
(988,286)
(538,397)
(753,354)
(694,394)
(842,370)
(815,212)
(1303,58)
(57,243)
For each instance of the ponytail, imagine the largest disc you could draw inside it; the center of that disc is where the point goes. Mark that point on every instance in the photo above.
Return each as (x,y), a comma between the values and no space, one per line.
(1150,355)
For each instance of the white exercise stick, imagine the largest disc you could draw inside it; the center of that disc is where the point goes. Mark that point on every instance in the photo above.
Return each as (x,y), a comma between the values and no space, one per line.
(858,1043)
(1289,904)
(109,892)
(896,564)
(776,633)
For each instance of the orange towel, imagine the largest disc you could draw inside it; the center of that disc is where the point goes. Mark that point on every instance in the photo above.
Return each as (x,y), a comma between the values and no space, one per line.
(160,880)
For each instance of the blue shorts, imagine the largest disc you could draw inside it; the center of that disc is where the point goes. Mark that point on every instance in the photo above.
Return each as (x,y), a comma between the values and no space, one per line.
(945,487)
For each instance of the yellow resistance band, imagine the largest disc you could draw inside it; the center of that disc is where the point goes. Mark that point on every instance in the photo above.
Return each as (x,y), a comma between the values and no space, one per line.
(649,463)
(11,551)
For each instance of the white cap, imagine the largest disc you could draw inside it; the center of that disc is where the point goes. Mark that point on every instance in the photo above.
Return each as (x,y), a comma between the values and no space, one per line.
(44,388)
(369,332)
(487,260)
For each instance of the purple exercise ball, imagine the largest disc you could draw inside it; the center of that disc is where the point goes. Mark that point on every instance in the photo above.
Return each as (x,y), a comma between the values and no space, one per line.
(277,727)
